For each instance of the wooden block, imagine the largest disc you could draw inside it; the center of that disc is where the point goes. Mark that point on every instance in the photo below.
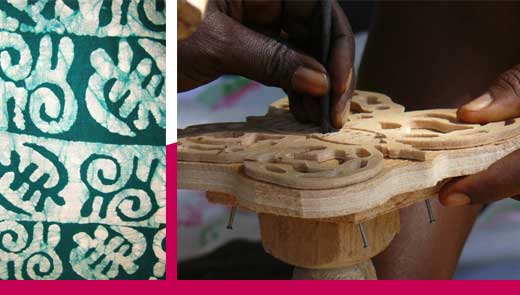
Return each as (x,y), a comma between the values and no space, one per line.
(397,177)
(319,244)
(273,164)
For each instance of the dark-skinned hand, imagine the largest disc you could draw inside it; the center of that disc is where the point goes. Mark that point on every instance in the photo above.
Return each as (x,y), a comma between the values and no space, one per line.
(271,42)
(502,179)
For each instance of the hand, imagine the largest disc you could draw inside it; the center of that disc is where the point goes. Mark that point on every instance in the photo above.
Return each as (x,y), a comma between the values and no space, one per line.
(501,179)
(270,42)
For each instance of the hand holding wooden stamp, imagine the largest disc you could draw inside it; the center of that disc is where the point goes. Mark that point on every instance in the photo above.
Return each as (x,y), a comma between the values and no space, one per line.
(313,191)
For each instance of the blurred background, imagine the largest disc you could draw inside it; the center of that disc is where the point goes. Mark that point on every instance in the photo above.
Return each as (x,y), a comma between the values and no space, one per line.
(206,250)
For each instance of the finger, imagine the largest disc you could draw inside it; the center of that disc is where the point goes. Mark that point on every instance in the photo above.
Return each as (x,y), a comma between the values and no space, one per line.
(500,102)
(244,52)
(499,181)
(341,103)
(341,67)
(197,57)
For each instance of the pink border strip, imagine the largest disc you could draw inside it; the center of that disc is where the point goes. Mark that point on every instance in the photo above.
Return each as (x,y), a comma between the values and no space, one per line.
(171,211)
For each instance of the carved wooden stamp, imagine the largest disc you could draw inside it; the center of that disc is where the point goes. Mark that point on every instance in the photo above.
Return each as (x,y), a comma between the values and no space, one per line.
(312,189)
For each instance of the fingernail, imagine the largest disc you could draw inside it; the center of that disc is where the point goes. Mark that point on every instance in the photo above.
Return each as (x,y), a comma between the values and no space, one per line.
(479,103)
(311,82)
(349,80)
(456,199)
(340,88)
(340,112)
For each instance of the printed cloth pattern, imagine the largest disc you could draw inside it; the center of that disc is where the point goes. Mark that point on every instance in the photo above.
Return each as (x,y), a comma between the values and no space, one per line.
(82,139)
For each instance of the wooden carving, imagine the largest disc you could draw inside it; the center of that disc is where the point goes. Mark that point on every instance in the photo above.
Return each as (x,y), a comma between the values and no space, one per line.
(309,163)
(383,159)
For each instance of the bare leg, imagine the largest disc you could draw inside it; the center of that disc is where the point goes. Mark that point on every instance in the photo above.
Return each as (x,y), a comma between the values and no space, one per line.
(431,56)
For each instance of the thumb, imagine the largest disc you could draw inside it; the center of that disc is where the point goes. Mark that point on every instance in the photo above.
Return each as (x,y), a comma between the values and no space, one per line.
(500,102)
(253,55)
(498,181)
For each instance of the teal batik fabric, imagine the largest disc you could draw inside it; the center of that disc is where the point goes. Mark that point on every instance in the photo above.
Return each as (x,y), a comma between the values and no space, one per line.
(82,135)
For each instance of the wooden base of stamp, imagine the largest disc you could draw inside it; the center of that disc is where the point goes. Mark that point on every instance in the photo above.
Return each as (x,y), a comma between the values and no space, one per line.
(327,249)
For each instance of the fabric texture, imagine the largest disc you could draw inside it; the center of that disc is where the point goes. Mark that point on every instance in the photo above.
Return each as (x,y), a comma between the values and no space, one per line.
(82,139)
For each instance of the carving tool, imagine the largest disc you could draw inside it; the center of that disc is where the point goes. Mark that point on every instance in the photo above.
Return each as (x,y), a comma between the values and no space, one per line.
(231,218)
(363,235)
(322,55)
(430,211)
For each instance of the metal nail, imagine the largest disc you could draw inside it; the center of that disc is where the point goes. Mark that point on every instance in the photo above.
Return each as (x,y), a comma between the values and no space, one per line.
(231,217)
(363,235)
(430,211)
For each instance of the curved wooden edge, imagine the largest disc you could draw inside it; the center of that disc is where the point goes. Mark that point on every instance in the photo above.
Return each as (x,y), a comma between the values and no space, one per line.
(394,203)
(398,177)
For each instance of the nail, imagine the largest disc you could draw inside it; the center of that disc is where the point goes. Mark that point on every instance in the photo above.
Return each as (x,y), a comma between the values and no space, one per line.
(349,80)
(339,89)
(311,82)
(363,235)
(231,217)
(456,199)
(341,110)
(479,103)
(340,113)
(429,210)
